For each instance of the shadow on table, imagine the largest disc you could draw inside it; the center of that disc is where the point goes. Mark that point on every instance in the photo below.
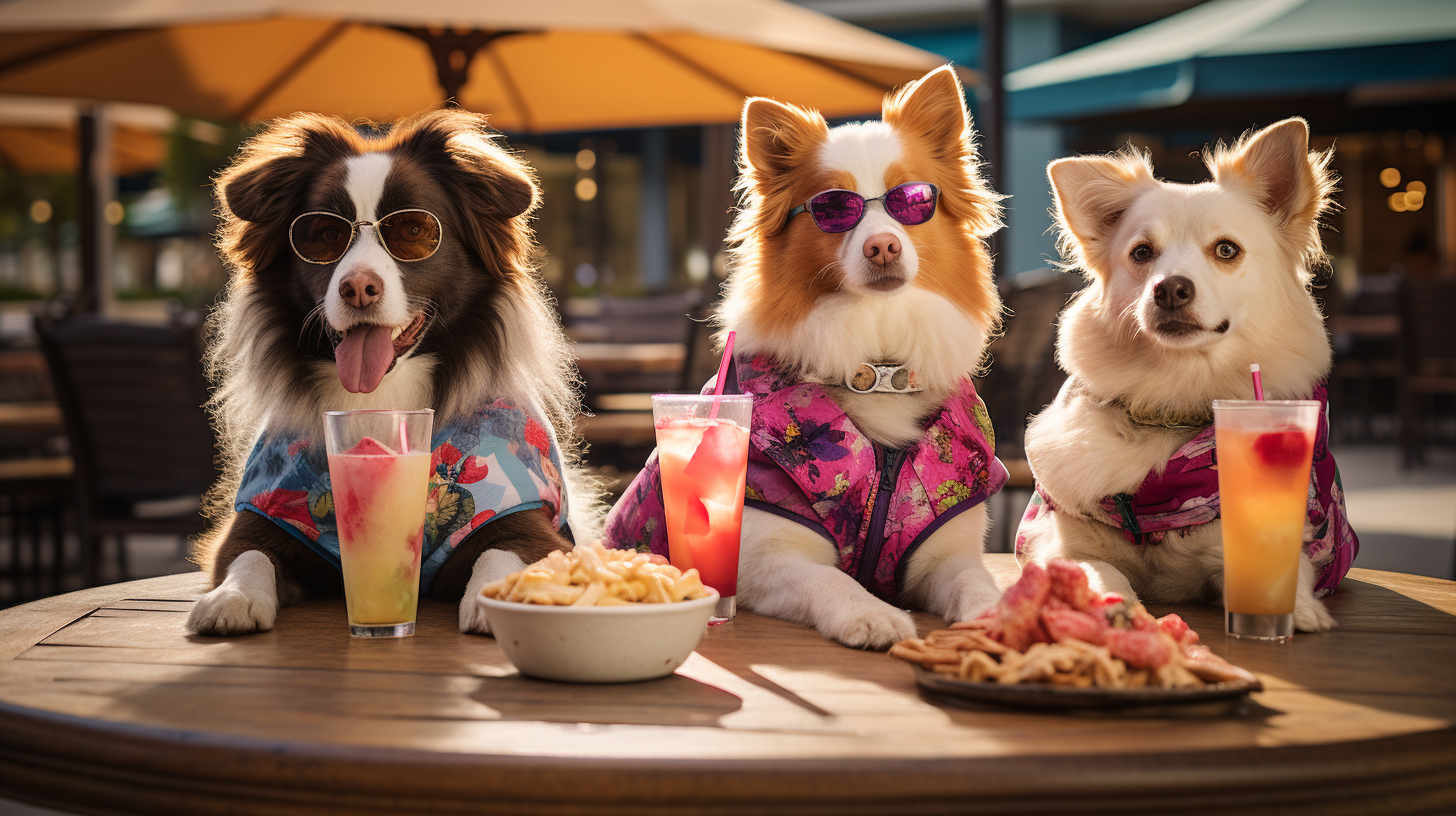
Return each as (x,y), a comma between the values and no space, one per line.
(1360,662)
(672,701)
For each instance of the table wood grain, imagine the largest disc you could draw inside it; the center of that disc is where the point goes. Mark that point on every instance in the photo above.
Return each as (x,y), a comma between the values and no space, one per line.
(108,706)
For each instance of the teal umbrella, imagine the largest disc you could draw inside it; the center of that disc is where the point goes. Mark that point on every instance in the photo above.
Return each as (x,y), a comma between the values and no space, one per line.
(1227,49)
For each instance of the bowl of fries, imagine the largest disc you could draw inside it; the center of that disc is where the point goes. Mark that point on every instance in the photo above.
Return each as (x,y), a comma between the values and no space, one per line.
(595,615)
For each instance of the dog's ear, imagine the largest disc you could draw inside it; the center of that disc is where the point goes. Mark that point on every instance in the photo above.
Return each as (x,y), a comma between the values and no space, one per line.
(265,178)
(777,137)
(262,190)
(486,179)
(932,110)
(931,114)
(1091,193)
(1276,165)
(509,185)
(490,190)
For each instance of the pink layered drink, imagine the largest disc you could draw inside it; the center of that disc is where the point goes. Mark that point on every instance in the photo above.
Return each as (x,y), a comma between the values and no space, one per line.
(379,506)
(704,466)
(702,450)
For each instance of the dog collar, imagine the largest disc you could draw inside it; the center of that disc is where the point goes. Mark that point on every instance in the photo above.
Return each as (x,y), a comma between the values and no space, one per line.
(881,378)
(1171,422)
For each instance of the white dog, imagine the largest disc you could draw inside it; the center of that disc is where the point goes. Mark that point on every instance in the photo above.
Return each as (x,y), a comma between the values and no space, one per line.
(1189,285)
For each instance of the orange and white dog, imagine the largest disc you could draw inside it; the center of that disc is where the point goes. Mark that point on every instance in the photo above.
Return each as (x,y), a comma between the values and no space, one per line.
(862,297)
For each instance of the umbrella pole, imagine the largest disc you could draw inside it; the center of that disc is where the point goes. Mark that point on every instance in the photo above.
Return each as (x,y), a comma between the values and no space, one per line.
(93,173)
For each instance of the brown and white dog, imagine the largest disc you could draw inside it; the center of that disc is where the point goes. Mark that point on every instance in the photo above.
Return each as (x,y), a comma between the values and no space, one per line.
(1189,285)
(440,309)
(830,280)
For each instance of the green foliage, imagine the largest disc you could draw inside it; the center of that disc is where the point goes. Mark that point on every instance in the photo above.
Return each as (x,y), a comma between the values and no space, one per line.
(192,163)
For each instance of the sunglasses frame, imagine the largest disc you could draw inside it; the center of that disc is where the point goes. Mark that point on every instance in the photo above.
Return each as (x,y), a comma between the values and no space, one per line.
(934,201)
(354,227)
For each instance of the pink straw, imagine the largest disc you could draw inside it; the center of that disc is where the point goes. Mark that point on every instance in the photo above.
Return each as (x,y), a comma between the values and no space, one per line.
(1258,386)
(722,372)
(403,439)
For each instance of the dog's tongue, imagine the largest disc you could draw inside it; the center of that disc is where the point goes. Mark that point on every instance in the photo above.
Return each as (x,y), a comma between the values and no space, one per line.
(363,357)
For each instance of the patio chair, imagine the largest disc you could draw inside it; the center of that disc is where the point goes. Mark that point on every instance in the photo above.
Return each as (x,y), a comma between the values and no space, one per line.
(132,400)
(1023,378)
(1427,358)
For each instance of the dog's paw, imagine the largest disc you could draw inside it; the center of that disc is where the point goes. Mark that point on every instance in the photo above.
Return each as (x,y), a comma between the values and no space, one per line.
(975,592)
(969,609)
(492,565)
(472,616)
(867,623)
(230,611)
(246,601)
(1310,615)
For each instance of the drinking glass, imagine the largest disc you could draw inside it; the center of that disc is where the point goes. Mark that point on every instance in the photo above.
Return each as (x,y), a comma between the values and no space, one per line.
(702,449)
(379,469)
(1264,453)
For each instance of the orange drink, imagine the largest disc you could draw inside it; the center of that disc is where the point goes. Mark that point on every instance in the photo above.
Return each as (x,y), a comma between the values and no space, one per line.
(704,462)
(1264,456)
(379,496)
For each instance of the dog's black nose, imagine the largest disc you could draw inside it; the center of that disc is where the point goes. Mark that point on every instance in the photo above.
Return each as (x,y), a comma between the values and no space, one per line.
(1173,293)
(361,288)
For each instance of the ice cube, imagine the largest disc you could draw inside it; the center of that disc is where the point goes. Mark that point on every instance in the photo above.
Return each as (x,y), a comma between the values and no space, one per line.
(697,521)
(718,460)
(369,446)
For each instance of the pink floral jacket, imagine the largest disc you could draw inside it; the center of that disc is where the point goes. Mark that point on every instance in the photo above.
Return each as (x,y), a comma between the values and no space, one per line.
(807,462)
(1184,494)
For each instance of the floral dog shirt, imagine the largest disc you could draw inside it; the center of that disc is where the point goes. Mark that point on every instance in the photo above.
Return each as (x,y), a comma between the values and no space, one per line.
(807,462)
(483,466)
(1184,495)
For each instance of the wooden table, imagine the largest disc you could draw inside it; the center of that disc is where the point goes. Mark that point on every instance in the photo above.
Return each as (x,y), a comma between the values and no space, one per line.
(107,706)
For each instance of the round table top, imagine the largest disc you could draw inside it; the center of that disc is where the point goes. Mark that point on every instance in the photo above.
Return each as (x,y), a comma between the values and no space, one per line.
(107,705)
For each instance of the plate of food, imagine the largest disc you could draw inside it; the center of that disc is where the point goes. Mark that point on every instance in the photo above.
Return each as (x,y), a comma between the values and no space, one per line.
(1052,642)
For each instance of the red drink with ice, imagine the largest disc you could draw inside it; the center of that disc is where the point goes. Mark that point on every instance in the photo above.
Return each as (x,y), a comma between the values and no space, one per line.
(704,464)
(379,496)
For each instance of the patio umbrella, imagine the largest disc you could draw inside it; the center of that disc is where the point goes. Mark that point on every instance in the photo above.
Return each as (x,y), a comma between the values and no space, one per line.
(539,66)
(1239,49)
(40,135)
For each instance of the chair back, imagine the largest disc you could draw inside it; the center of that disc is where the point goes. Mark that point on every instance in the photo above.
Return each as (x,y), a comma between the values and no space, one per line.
(1023,377)
(1427,341)
(132,398)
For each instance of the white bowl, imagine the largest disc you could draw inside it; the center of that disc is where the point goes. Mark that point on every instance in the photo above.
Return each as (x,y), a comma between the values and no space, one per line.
(598,644)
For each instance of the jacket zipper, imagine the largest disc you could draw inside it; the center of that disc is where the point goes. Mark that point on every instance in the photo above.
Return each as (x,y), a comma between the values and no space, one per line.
(875,536)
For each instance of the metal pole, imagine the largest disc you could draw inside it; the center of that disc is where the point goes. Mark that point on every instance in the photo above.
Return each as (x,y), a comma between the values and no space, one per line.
(993,104)
(88,214)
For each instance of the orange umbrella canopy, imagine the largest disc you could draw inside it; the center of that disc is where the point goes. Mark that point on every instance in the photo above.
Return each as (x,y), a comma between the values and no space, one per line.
(40,136)
(536,66)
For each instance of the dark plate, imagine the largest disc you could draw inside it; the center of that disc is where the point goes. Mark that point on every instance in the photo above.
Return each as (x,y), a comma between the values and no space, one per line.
(1039,695)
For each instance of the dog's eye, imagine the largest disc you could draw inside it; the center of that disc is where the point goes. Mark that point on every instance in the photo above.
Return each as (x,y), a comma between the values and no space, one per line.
(1142,253)
(1226,250)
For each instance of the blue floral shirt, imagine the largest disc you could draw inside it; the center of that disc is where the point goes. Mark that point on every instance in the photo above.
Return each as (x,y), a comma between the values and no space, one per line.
(486,465)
